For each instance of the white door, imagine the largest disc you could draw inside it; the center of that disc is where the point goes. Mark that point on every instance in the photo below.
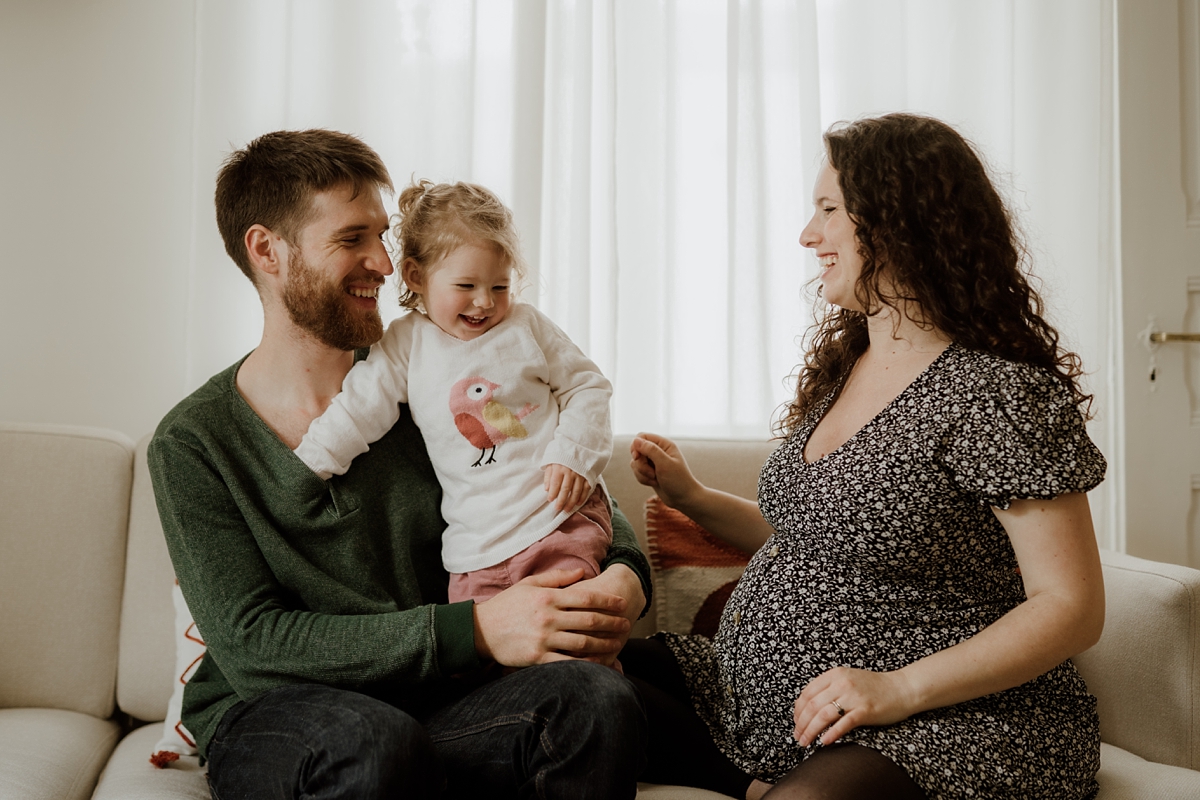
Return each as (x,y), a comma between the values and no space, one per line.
(1158,46)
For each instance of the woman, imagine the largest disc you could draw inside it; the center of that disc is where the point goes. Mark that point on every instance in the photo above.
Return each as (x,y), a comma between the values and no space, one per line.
(925,563)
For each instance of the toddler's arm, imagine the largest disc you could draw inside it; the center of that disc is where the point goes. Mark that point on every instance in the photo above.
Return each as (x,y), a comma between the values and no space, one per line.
(583,440)
(365,409)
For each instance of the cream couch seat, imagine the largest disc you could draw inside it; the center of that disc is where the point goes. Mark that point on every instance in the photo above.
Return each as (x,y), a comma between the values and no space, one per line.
(87,647)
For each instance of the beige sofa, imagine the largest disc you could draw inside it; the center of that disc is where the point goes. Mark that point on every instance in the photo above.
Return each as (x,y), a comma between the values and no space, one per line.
(87,654)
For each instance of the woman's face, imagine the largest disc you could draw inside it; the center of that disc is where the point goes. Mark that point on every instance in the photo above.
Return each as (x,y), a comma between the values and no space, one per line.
(831,234)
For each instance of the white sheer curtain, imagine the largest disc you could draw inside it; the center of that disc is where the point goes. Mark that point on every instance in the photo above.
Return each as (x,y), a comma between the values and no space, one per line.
(659,156)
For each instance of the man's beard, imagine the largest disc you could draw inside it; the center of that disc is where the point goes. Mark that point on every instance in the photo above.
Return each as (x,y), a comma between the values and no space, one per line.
(319,308)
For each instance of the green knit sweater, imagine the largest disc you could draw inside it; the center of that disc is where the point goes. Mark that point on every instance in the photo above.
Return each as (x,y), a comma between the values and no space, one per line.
(292,579)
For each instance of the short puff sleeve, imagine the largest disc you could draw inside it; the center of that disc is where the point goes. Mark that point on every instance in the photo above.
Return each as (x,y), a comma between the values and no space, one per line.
(1020,435)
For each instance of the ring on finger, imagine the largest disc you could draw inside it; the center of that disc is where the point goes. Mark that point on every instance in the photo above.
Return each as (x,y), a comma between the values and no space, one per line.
(841,711)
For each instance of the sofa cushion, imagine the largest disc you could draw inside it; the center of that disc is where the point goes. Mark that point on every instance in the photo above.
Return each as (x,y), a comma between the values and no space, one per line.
(64,506)
(650,791)
(51,754)
(1124,776)
(129,775)
(694,571)
(1143,671)
(147,666)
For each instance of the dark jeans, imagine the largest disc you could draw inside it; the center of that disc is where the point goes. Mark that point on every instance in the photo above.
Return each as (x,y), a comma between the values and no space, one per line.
(563,730)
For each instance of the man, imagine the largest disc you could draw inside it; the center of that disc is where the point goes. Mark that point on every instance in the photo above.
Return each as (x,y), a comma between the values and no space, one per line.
(335,667)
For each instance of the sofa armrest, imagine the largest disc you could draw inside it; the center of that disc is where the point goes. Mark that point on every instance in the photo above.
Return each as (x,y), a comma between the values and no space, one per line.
(1144,671)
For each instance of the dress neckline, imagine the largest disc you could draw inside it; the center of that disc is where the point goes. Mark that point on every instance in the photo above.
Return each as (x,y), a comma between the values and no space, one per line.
(823,409)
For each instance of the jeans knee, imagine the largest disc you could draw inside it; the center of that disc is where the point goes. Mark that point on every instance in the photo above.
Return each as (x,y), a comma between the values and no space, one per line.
(383,750)
(615,704)
(320,742)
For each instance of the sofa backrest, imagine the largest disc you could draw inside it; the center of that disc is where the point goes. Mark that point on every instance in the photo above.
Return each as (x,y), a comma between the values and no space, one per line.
(64,506)
(1145,670)
(147,662)
(729,465)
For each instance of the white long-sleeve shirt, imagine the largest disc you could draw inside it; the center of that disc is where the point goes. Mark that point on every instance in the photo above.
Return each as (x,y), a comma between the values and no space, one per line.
(494,411)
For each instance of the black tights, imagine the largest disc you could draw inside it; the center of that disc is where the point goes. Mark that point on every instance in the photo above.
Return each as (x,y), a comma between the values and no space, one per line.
(681,751)
(846,772)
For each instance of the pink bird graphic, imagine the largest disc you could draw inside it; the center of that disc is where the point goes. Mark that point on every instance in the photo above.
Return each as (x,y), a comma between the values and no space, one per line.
(481,420)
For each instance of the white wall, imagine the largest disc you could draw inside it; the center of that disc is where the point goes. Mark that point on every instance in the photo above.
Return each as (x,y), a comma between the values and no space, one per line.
(95,209)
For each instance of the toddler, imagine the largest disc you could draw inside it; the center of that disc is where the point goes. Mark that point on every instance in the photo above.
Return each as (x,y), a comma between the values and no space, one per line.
(515,417)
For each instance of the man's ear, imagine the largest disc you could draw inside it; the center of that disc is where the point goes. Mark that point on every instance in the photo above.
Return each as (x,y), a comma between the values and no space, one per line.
(267,250)
(413,277)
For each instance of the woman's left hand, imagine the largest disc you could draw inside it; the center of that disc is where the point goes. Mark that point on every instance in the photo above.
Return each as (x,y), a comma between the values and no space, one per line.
(842,699)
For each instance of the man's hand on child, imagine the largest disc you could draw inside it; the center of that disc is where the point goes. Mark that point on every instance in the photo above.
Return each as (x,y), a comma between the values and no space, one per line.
(552,616)
(566,488)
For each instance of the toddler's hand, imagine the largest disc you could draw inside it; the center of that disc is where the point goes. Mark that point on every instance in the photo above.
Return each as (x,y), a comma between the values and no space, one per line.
(567,488)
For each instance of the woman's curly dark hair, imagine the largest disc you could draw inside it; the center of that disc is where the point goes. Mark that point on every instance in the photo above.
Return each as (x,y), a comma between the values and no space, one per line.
(935,237)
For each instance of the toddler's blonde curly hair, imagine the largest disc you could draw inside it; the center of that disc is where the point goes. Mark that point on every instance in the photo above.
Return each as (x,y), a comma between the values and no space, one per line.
(436,218)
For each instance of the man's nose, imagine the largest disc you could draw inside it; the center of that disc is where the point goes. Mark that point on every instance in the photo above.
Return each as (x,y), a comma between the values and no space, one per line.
(379,261)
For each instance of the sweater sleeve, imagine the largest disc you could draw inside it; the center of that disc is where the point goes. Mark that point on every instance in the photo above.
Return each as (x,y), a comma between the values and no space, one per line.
(625,550)
(365,409)
(583,439)
(257,632)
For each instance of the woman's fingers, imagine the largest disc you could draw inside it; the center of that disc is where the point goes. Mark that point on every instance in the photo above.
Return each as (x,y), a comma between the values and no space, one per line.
(658,463)
(842,699)
(825,721)
(642,466)
(661,442)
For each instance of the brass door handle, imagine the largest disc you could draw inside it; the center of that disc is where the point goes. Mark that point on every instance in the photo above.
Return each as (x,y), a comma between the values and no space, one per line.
(1159,336)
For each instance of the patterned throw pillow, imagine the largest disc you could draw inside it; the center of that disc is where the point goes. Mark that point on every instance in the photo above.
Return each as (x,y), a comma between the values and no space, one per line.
(189,649)
(694,571)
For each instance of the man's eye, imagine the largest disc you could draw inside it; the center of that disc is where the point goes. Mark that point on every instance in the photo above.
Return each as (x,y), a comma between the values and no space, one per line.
(830,209)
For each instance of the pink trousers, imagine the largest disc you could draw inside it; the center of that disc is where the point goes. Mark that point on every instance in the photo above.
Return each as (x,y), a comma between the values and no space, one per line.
(582,540)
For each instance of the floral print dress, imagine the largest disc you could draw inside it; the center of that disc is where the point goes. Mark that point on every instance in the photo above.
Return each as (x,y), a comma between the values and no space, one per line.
(887,550)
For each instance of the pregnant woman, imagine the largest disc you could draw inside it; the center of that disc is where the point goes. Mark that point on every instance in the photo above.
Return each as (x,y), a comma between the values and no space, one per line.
(926,564)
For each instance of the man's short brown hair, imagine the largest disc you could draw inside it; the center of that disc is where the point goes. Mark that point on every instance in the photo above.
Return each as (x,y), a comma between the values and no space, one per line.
(272,180)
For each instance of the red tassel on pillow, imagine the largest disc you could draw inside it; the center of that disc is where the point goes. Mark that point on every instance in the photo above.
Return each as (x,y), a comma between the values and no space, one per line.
(162,758)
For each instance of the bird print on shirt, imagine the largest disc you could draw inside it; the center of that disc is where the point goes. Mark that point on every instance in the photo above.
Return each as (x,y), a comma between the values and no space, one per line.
(482,421)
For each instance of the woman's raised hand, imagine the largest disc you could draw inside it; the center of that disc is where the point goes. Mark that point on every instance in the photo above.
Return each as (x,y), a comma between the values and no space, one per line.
(657,463)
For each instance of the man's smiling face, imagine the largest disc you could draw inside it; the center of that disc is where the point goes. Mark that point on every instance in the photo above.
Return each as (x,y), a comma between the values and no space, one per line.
(336,267)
